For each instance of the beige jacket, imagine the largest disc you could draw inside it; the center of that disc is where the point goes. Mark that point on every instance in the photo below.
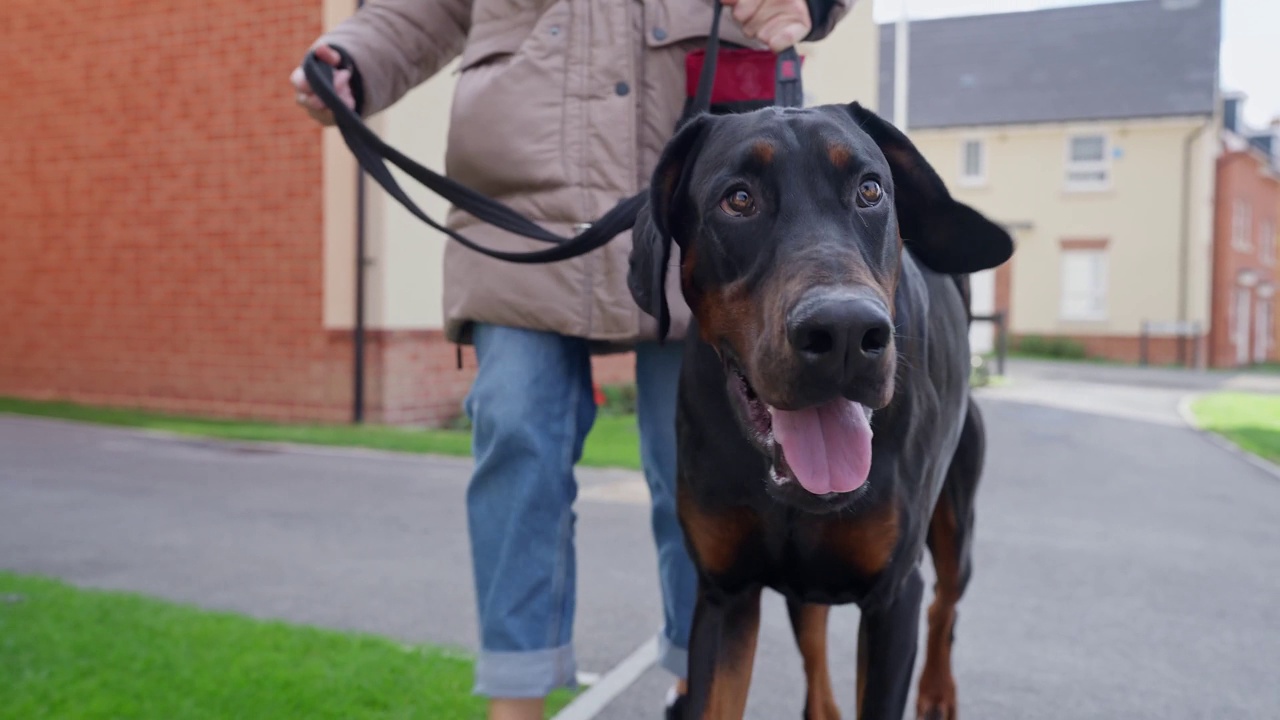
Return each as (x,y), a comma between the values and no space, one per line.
(561,110)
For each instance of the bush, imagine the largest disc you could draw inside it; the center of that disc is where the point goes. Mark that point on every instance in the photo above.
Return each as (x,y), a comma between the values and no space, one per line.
(619,399)
(1059,348)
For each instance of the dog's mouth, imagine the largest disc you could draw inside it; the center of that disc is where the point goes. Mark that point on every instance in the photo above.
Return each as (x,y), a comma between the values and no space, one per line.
(826,448)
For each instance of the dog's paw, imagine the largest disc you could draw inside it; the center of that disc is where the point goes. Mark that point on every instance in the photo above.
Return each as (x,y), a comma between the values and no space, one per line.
(936,708)
(825,710)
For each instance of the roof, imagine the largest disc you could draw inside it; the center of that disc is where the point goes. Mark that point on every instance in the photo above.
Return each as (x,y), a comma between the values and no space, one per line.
(1149,58)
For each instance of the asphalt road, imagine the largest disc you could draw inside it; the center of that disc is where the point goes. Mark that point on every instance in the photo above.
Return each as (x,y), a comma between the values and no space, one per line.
(1125,567)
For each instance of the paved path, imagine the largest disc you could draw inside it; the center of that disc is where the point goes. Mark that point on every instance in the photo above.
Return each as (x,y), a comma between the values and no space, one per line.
(1125,567)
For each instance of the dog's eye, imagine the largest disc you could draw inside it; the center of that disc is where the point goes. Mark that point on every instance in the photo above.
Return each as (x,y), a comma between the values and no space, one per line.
(869,193)
(738,203)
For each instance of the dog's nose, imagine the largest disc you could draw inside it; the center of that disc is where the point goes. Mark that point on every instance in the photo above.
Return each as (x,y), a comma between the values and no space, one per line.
(840,329)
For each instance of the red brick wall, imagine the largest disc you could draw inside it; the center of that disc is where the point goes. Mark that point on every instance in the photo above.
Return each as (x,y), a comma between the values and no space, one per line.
(162,238)
(1240,176)
(162,210)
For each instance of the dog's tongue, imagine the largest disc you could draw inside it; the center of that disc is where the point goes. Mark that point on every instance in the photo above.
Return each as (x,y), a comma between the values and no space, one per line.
(828,447)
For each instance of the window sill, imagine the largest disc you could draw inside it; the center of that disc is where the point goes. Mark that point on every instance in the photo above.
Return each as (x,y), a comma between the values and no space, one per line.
(1086,189)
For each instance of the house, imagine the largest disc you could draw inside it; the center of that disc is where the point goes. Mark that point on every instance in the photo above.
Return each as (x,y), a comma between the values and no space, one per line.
(1091,132)
(1246,274)
(178,236)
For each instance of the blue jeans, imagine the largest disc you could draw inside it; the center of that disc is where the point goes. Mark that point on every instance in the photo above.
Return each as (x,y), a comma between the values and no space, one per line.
(531,407)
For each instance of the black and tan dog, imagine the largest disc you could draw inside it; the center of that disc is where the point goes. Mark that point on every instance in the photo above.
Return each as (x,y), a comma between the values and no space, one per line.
(825,429)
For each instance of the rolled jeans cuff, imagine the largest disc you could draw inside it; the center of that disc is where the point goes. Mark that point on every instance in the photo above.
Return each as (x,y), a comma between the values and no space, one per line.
(525,674)
(673,658)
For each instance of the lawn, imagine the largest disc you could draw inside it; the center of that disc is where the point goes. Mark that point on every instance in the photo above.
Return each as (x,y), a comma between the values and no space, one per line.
(1248,420)
(614,440)
(73,653)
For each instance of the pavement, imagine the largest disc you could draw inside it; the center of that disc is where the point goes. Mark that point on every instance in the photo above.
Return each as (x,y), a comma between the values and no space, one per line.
(1124,565)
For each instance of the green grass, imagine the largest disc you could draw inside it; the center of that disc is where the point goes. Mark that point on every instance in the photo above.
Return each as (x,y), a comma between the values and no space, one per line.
(613,442)
(1248,420)
(69,653)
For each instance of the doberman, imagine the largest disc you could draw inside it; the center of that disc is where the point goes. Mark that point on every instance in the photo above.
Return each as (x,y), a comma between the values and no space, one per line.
(825,429)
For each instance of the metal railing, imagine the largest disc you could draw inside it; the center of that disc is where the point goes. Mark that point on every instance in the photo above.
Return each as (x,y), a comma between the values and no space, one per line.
(1002,337)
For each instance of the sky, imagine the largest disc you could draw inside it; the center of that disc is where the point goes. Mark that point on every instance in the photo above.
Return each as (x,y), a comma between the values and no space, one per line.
(1250,50)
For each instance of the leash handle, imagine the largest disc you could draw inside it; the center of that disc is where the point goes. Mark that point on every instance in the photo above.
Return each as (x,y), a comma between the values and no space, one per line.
(373,154)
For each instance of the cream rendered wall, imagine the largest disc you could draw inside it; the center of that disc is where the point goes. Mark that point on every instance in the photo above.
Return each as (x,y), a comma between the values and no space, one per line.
(339,207)
(404,281)
(406,276)
(844,66)
(1140,215)
(404,256)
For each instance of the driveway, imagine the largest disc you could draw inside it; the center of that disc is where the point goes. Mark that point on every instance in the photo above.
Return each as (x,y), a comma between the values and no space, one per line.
(1125,567)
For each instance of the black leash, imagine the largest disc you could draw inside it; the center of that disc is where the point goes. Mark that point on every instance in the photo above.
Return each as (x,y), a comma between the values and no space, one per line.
(373,154)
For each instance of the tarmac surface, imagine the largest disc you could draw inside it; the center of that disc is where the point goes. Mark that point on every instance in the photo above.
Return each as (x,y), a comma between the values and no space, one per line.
(1125,566)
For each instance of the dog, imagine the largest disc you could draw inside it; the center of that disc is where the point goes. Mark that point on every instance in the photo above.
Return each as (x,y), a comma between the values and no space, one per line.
(825,430)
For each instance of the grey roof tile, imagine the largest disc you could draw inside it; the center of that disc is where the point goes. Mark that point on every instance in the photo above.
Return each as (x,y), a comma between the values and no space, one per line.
(1144,58)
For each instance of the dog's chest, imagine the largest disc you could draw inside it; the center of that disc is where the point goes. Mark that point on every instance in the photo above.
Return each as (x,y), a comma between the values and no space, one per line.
(831,559)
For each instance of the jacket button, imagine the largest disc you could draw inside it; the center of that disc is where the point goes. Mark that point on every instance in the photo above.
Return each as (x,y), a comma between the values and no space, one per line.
(659,34)
(622,88)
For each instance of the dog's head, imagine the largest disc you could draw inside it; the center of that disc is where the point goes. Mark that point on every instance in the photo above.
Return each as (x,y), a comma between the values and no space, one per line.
(790,226)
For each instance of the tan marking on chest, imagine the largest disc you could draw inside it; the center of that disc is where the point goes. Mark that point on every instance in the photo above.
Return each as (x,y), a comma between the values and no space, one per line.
(717,536)
(866,543)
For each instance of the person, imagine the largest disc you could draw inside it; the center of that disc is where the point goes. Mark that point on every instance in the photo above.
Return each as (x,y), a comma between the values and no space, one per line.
(561,109)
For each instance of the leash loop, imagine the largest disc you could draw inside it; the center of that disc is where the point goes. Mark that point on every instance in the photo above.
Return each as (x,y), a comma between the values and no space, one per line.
(373,155)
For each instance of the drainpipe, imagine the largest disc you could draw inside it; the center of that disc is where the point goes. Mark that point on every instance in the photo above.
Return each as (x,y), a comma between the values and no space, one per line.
(1184,241)
(357,344)
(357,395)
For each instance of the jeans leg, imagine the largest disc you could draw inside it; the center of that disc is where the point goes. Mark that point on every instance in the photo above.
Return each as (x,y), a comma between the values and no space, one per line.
(531,409)
(657,378)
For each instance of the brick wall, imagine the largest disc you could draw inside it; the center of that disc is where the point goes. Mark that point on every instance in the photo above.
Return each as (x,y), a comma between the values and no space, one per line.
(162,237)
(161,205)
(1240,176)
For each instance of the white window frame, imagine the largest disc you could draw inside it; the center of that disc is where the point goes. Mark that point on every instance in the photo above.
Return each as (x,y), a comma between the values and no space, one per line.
(1067,307)
(1241,219)
(1267,242)
(1087,166)
(979,179)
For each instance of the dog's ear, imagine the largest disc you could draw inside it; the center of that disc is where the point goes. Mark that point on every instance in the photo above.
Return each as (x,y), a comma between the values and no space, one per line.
(947,236)
(658,222)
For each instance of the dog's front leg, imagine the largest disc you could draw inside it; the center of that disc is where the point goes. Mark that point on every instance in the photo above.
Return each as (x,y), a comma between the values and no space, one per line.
(887,639)
(722,649)
(809,622)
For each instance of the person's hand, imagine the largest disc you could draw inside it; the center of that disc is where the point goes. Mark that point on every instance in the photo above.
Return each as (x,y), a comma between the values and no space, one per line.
(778,23)
(308,100)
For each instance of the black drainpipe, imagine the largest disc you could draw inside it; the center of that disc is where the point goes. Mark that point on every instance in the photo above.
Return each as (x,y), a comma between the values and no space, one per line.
(1184,249)
(357,381)
(357,409)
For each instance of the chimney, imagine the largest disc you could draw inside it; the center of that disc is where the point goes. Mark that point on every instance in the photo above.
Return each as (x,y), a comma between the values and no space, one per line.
(1233,112)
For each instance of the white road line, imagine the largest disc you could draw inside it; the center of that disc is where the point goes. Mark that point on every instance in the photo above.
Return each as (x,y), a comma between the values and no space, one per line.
(590,703)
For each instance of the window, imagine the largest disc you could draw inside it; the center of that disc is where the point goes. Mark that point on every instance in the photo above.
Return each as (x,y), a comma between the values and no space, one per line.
(973,163)
(1088,167)
(1084,284)
(1240,220)
(1267,242)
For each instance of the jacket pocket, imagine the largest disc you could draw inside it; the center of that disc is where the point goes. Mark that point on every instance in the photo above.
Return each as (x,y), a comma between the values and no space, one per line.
(507,114)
